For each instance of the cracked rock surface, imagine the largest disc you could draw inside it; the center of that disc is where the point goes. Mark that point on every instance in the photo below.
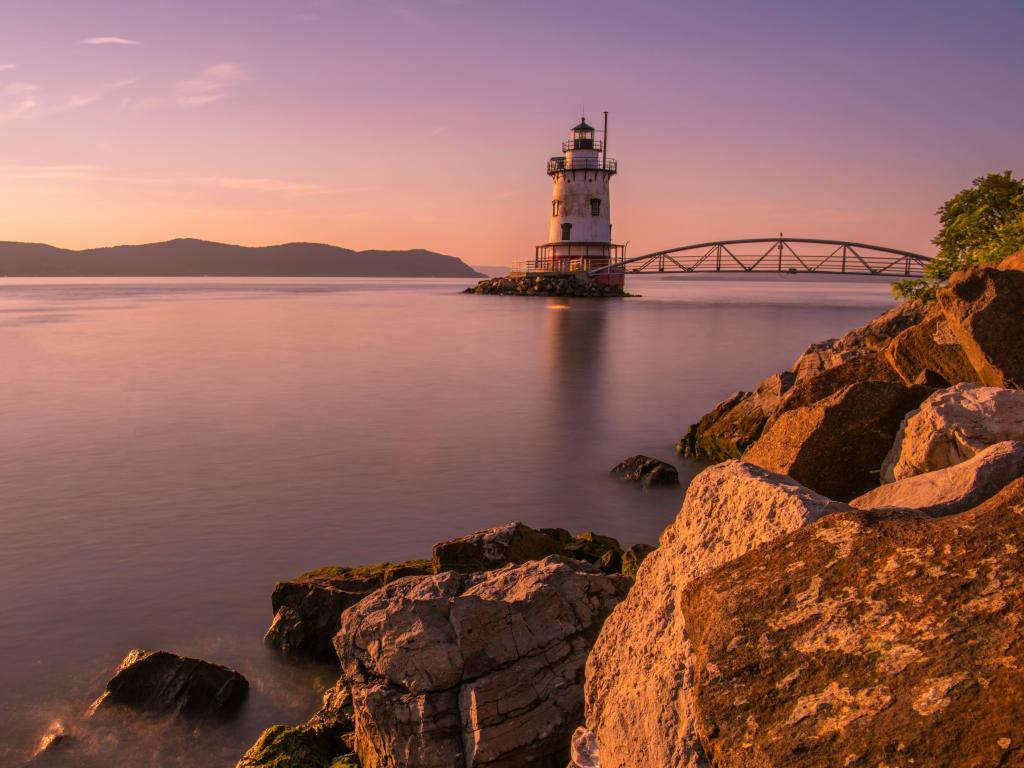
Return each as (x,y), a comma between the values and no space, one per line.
(484,669)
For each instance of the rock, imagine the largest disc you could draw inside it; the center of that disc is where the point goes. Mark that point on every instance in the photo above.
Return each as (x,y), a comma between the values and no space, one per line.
(953,489)
(282,746)
(867,639)
(819,357)
(52,746)
(876,335)
(1014,261)
(158,682)
(493,548)
(984,307)
(646,471)
(737,422)
(811,389)
(579,285)
(632,558)
(930,346)
(335,715)
(307,609)
(837,445)
(584,753)
(953,425)
(638,694)
(466,670)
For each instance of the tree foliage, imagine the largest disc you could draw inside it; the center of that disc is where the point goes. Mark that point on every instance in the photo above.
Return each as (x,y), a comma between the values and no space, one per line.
(979,225)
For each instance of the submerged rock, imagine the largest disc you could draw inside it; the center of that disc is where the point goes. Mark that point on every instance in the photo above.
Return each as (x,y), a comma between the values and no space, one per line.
(953,425)
(639,698)
(632,558)
(868,639)
(952,489)
(646,471)
(307,609)
(482,669)
(495,547)
(837,445)
(984,307)
(158,682)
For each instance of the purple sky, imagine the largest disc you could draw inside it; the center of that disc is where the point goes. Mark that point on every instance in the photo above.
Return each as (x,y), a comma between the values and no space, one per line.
(395,124)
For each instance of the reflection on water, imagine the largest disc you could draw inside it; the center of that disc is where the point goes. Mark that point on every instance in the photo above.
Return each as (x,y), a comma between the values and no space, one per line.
(172,448)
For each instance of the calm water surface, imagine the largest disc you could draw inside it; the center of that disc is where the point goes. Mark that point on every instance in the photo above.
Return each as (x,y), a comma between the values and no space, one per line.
(173,448)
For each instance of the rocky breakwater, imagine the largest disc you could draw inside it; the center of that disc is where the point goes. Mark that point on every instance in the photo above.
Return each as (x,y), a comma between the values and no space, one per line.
(472,658)
(547,285)
(775,626)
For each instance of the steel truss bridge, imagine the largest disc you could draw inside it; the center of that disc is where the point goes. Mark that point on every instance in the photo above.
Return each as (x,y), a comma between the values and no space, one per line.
(792,255)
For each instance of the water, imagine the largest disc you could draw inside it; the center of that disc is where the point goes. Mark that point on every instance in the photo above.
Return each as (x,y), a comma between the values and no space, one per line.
(172,448)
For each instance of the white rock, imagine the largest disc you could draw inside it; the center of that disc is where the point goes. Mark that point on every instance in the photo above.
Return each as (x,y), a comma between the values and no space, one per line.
(953,489)
(639,701)
(953,425)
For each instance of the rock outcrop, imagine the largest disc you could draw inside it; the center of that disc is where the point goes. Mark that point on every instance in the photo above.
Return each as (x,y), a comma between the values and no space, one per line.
(837,445)
(866,639)
(547,285)
(735,423)
(495,547)
(158,682)
(307,609)
(646,471)
(639,675)
(983,306)
(812,389)
(953,489)
(484,669)
(930,349)
(282,746)
(953,425)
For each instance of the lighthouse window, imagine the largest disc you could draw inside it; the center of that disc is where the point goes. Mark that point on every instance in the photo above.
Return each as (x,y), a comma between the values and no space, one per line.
(555,205)
(566,231)
(595,207)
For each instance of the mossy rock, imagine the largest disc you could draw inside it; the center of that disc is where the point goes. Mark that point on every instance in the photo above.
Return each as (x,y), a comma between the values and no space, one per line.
(282,746)
(351,760)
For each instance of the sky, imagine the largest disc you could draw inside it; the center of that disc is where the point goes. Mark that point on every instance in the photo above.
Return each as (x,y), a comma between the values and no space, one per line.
(428,123)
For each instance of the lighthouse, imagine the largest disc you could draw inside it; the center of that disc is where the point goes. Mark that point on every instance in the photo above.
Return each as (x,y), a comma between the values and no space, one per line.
(580,227)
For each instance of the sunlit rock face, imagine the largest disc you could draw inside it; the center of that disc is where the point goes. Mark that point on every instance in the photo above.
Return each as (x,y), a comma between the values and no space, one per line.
(836,445)
(639,696)
(484,669)
(866,639)
(984,307)
(952,426)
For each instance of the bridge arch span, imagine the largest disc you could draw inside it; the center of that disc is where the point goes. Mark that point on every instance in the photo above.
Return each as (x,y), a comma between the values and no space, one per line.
(793,255)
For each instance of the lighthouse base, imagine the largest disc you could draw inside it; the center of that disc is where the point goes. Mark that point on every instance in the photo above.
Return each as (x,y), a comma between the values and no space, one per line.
(552,284)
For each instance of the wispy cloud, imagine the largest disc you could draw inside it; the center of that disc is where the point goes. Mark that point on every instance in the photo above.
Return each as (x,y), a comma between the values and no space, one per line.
(89,96)
(6,67)
(280,186)
(98,173)
(109,41)
(211,85)
(17,100)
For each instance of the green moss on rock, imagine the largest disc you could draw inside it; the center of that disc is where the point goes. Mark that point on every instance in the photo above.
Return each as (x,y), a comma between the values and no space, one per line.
(282,746)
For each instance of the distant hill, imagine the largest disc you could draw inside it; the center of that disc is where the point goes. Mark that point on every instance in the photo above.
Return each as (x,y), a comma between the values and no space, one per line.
(186,258)
(491,271)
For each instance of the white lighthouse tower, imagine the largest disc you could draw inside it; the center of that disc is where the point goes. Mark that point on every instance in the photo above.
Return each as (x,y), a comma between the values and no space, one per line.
(580,230)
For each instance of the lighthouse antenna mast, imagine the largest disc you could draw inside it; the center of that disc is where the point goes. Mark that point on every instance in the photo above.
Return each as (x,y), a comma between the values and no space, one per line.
(604,151)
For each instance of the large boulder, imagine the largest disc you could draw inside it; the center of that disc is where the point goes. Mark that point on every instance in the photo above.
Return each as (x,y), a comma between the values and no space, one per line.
(837,445)
(646,471)
(158,682)
(930,348)
(493,548)
(985,308)
(736,422)
(282,746)
(867,639)
(877,333)
(953,489)
(953,425)
(307,609)
(811,389)
(465,670)
(638,691)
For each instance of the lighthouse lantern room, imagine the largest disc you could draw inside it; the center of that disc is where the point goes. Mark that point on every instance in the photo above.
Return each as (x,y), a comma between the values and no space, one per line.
(580,230)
